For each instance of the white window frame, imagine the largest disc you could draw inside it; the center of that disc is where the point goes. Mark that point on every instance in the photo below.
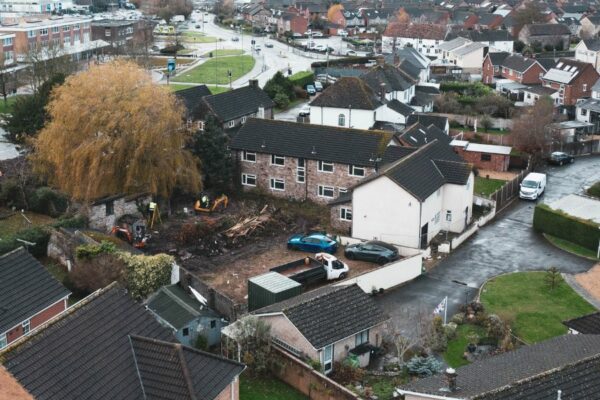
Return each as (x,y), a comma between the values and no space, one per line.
(273,184)
(44,32)
(275,158)
(66,28)
(361,338)
(342,190)
(346,214)
(55,29)
(321,191)
(321,164)
(26,325)
(243,120)
(341,120)
(245,155)
(231,124)
(301,171)
(449,215)
(245,179)
(31,34)
(352,171)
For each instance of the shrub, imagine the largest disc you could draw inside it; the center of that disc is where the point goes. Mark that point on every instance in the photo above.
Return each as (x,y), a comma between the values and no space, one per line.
(548,47)
(302,78)
(91,250)
(594,190)
(300,93)
(145,274)
(458,319)
(450,330)
(11,194)
(281,100)
(556,223)
(93,273)
(345,372)
(495,326)
(424,366)
(47,201)
(36,235)
(201,343)
(315,364)
(77,221)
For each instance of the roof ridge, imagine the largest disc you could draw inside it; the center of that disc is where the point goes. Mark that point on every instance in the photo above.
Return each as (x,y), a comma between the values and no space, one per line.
(185,370)
(15,251)
(339,128)
(137,368)
(399,161)
(174,297)
(319,296)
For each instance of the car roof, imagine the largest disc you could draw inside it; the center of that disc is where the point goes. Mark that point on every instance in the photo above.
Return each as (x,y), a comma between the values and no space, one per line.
(559,153)
(318,236)
(382,244)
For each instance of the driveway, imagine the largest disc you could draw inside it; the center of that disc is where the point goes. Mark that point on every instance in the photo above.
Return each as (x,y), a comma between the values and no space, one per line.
(508,244)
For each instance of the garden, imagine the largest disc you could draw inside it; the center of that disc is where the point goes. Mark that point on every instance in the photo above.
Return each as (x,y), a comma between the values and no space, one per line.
(473,99)
(487,186)
(215,70)
(267,387)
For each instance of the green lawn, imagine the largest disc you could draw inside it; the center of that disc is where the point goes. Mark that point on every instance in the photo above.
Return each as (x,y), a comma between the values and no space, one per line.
(456,347)
(16,223)
(175,87)
(571,247)
(197,37)
(6,107)
(218,89)
(224,52)
(537,311)
(214,71)
(487,186)
(253,388)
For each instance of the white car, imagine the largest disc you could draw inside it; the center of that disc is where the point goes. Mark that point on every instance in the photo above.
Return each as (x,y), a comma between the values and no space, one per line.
(342,33)
(317,34)
(351,53)
(304,111)
(320,47)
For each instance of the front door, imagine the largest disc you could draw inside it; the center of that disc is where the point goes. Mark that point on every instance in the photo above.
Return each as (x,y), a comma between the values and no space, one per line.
(327,359)
(424,231)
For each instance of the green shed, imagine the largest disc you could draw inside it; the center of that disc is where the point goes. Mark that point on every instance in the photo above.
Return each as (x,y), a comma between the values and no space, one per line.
(270,288)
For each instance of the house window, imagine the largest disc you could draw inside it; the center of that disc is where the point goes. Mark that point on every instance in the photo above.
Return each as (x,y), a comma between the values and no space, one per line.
(44,31)
(325,167)
(342,190)
(31,34)
(449,216)
(584,87)
(231,124)
(66,28)
(346,214)
(185,332)
(110,208)
(248,180)
(249,157)
(213,324)
(26,327)
(301,171)
(486,157)
(3,341)
(55,29)
(243,120)
(353,170)
(362,337)
(326,191)
(583,112)
(277,184)
(341,120)
(277,160)
(7,41)
(107,32)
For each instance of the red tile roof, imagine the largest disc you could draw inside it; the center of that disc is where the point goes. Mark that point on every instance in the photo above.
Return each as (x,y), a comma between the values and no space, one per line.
(418,31)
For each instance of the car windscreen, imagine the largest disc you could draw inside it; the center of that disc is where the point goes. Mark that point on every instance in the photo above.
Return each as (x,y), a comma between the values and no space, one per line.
(337,264)
(530,184)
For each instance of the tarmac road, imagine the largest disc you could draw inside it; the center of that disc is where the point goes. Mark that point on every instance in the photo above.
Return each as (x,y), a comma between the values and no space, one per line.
(507,244)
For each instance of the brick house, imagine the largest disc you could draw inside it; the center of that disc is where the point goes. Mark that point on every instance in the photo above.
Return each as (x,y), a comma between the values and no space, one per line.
(292,22)
(327,324)
(138,358)
(556,35)
(29,295)
(123,35)
(483,156)
(524,70)
(491,68)
(573,80)
(305,161)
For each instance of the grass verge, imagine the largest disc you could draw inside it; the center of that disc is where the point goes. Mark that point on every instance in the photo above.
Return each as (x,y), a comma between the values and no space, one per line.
(259,388)
(534,310)
(570,247)
(214,71)
(457,346)
(486,186)
(224,52)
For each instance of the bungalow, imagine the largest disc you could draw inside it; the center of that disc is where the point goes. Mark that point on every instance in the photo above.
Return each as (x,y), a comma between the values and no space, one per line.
(564,367)
(531,94)
(234,107)
(185,315)
(588,51)
(110,347)
(573,80)
(425,97)
(306,161)
(556,35)
(463,53)
(29,296)
(425,38)
(483,156)
(409,201)
(327,325)
(104,213)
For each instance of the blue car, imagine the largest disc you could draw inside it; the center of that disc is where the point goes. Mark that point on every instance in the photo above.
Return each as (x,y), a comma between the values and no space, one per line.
(313,243)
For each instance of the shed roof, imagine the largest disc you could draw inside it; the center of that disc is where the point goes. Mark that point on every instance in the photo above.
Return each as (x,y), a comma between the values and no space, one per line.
(274,282)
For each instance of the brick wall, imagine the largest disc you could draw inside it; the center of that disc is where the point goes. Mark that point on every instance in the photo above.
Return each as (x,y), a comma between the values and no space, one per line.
(487,71)
(498,162)
(226,393)
(264,171)
(37,320)
(529,77)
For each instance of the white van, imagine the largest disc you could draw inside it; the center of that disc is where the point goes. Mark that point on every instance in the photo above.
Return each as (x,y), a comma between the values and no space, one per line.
(533,186)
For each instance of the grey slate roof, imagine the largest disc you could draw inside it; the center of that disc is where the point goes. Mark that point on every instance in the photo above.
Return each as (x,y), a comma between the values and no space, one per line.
(313,142)
(237,103)
(518,63)
(175,306)
(426,169)
(506,369)
(26,288)
(172,371)
(547,29)
(400,108)
(325,316)
(191,99)
(348,92)
(592,44)
(589,324)
(417,135)
(86,354)
(428,119)
(391,77)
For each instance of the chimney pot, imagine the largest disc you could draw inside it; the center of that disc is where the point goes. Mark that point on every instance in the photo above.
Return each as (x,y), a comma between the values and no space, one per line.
(253,83)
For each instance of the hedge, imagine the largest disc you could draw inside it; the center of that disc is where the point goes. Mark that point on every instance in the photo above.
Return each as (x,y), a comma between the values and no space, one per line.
(36,235)
(559,224)
(594,190)
(302,78)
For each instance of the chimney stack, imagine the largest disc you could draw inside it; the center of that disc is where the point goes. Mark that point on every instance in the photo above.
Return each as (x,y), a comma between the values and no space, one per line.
(253,83)
(451,377)
(382,92)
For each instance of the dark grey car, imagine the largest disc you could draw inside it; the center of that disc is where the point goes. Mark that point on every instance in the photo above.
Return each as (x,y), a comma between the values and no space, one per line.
(374,251)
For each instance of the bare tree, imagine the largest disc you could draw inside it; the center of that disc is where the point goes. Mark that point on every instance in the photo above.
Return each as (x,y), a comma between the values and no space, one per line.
(531,130)
(7,78)
(404,341)
(46,62)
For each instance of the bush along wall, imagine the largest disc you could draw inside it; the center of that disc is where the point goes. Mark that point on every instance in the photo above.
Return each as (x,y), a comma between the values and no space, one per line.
(557,223)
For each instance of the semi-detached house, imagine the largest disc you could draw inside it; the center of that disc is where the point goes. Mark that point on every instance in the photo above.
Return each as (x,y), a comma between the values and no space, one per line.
(572,79)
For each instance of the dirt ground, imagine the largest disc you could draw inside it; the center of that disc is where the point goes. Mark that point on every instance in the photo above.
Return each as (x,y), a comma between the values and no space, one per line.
(590,281)
(229,273)
(505,176)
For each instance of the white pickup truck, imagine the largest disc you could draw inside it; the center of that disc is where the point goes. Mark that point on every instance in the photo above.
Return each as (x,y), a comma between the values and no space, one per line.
(308,270)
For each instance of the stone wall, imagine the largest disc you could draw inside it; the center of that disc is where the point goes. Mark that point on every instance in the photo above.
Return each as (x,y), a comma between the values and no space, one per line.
(340,225)
(97,213)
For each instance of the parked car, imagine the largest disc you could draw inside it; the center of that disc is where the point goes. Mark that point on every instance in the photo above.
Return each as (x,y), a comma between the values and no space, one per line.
(317,34)
(351,53)
(198,26)
(560,158)
(297,35)
(533,186)
(235,39)
(318,86)
(304,111)
(320,47)
(269,45)
(310,89)
(322,78)
(342,33)
(374,250)
(314,242)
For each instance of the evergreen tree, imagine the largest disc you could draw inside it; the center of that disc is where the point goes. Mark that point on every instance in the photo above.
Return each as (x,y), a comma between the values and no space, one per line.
(210,146)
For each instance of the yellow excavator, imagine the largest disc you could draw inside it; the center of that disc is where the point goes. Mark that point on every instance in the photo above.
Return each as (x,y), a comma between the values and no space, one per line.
(206,205)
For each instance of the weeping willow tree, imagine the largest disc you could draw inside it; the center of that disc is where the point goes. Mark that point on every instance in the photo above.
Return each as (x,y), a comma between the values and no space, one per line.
(112,131)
